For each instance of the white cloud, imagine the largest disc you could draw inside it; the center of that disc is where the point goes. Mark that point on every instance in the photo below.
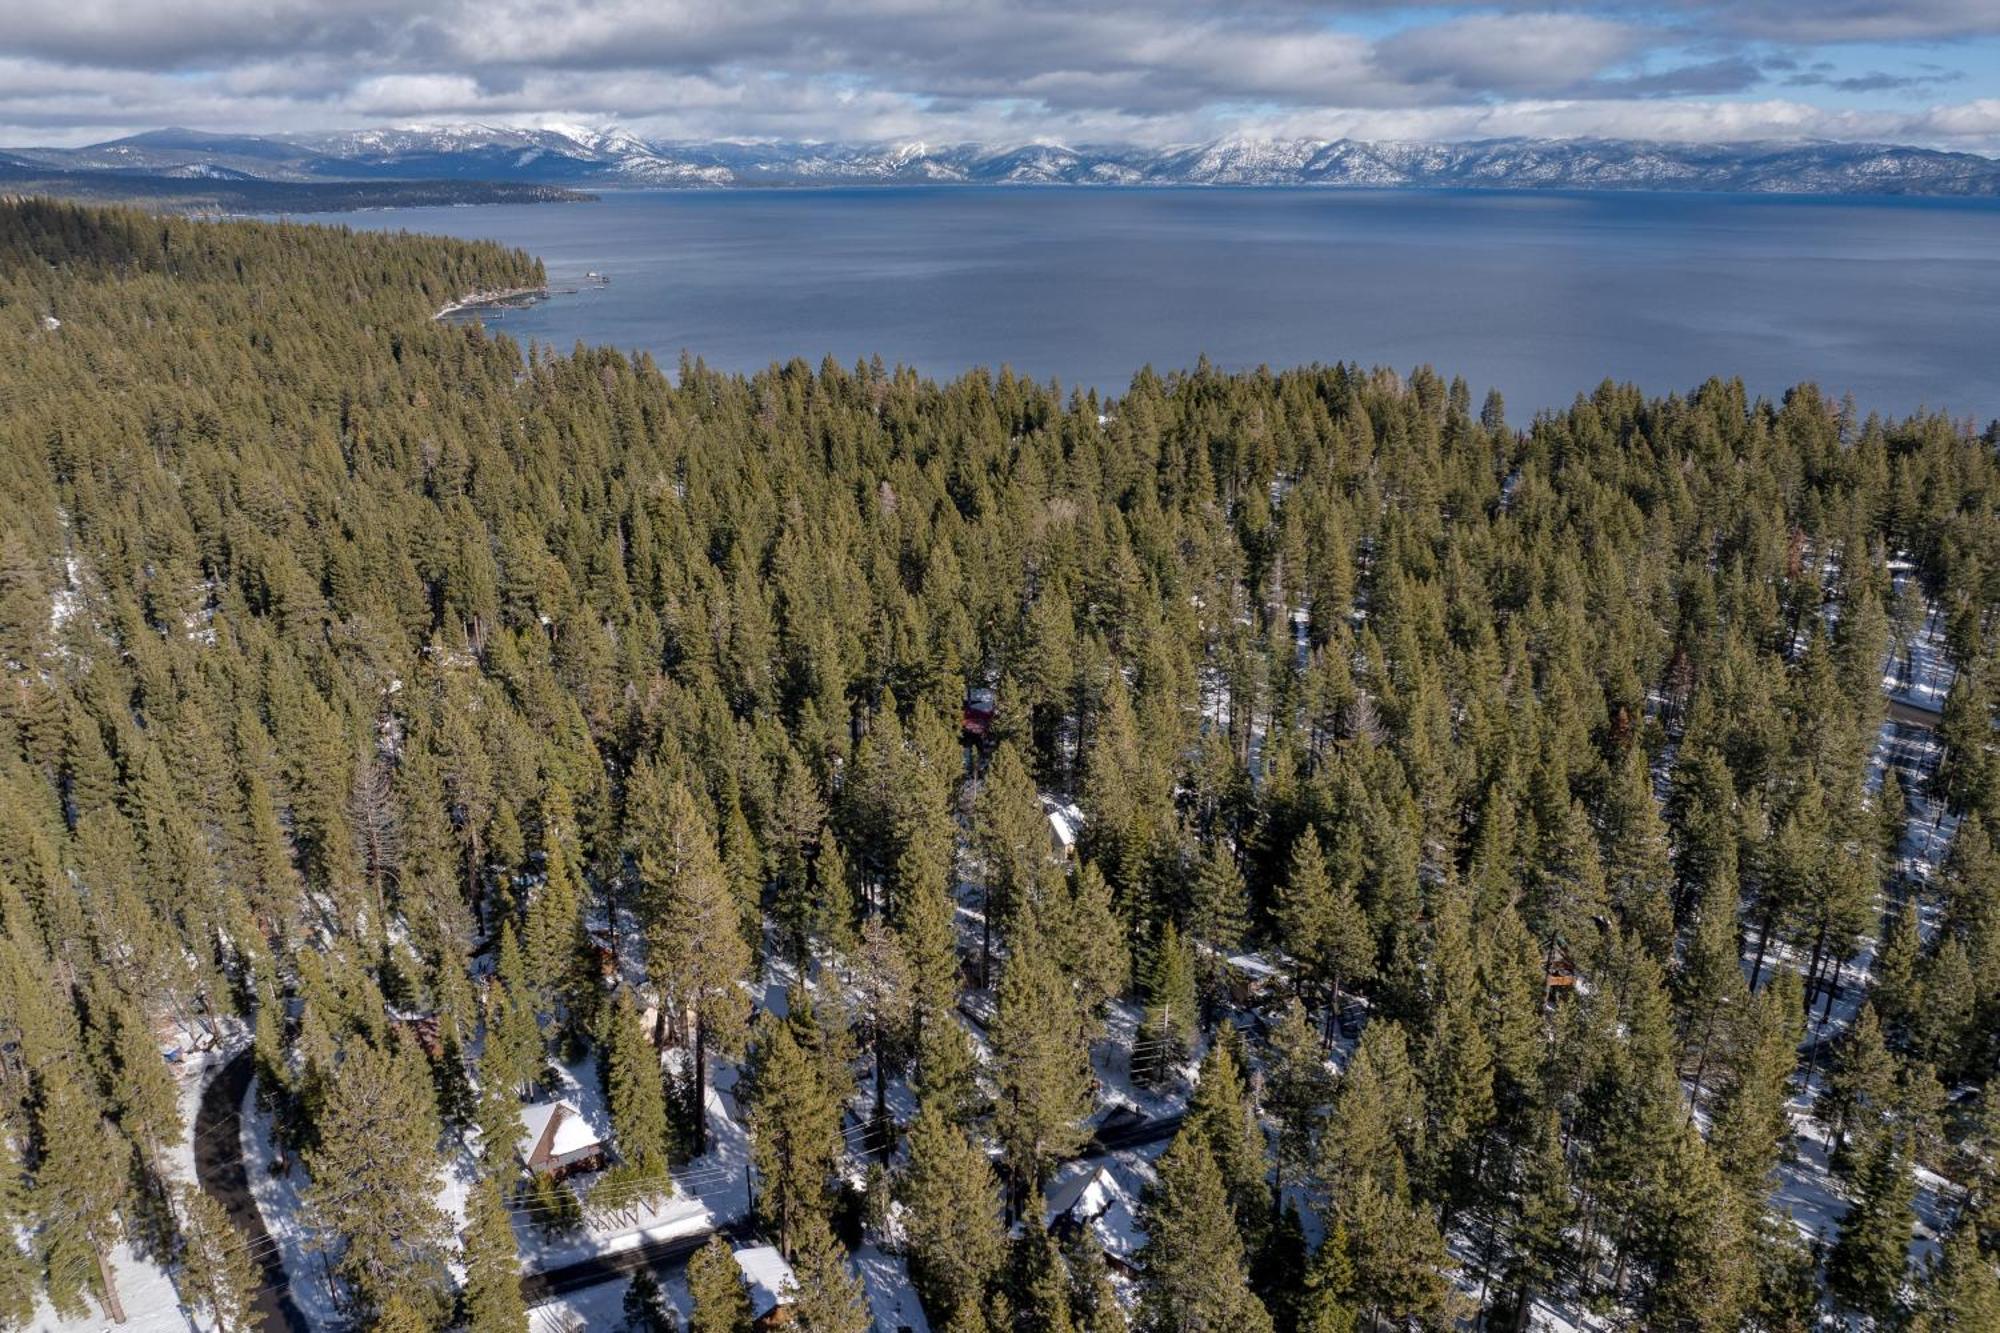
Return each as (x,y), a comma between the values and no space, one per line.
(1512,53)
(1076,70)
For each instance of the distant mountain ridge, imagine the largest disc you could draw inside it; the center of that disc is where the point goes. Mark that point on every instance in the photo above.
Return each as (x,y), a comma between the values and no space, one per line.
(609,157)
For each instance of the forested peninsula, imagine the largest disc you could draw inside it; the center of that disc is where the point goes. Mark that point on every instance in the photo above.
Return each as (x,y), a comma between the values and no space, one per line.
(1296,851)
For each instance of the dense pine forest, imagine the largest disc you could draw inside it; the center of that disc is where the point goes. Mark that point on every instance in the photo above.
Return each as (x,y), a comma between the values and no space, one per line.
(1420,869)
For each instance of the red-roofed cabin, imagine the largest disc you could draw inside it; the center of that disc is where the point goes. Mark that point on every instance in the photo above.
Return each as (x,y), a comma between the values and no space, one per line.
(976,722)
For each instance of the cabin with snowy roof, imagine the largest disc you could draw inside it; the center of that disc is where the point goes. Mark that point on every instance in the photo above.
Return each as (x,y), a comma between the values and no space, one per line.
(1065,827)
(1101,1201)
(557,1141)
(771,1283)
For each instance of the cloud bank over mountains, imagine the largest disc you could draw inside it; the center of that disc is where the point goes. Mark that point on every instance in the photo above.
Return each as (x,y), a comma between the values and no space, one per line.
(1080,71)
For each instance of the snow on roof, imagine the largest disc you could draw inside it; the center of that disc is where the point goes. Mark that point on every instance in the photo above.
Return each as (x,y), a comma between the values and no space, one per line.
(768,1276)
(1253,965)
(1065,821)
(573,1132)
(1104,1201)
(1066,1195)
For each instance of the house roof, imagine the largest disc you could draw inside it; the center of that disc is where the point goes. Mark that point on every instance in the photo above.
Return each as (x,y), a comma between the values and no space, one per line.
(1105,1202)
(768,1276)
(1065,821)
(1254,966)
(1086,1189)
(572,1132)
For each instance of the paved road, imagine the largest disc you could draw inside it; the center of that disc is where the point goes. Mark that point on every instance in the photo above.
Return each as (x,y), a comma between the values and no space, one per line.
(662,1256)
(218,1167)
(1158,1129)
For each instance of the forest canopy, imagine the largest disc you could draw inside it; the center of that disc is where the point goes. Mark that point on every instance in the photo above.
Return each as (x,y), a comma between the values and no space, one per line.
(425,712)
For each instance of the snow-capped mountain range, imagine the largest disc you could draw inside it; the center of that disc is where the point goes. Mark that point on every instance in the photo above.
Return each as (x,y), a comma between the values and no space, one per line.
(611,157)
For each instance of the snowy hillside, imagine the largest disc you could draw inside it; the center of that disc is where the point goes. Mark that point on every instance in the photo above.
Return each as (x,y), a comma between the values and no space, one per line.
(611,155)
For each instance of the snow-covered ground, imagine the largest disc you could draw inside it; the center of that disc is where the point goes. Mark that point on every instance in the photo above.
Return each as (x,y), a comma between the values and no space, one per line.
(1919,675)
(709,1191)
(151,1303)
(1111,1058)
(146,1289)
(892,1302)
(601,1309)
(280,1197)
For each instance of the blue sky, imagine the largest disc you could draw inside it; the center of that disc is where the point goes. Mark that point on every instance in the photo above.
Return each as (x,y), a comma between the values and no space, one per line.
(1078,71)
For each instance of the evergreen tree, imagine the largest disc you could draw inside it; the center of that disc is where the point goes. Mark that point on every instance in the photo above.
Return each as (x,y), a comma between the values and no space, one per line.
(829,1297)
(694,949)
(882,980)
(1752,1123)
(1962,1293)
(1011,836)
(1710,996)
(646,1308)
(402,1313)
(1346,946)
(1038,1284)
(1219,1112)
(1168,1028)
(1895,994)
(79,1187)
(1966,771)
(218,1276)
(794,1131)
(17,1273)
(952,1228)
(1090,946)
(513,1053)
(636,1092)
(1692,1237)
(1305,907)
(142,1094)
(721,1303)
(802,853)
(1399,1257)
(492,1265)
(555,952)
(1892,815)
(1193,1276)
(1094,1306)
(1868,1264)
(945,1069)
(1457,1063)
(1296,1091)
(1329,1282)
(374,1173)
(1539,1249)
(1638,873)
(1280,1256)
(1786,1297)
(1044,1076)
(1218,908)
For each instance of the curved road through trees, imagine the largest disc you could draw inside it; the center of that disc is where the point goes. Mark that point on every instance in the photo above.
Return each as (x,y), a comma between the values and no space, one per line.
(218,1166)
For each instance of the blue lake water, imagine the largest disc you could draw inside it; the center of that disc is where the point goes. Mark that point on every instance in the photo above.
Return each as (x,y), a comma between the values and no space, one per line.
(1538,294)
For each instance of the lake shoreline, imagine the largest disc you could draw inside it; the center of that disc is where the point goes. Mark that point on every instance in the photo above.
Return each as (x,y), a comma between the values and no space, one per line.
(1538,295)
(505,298)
